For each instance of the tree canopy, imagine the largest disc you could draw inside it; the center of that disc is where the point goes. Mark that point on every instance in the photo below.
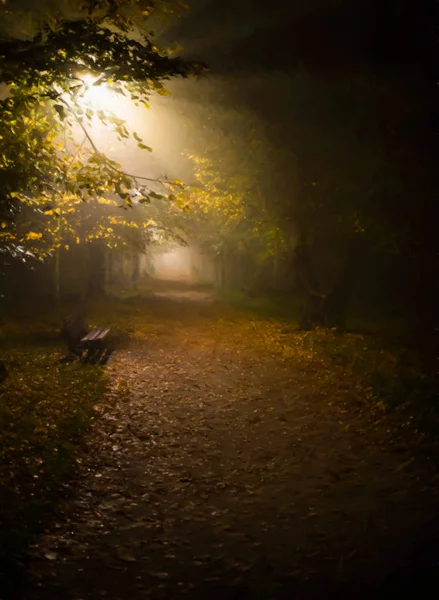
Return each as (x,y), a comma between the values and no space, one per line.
(48,156)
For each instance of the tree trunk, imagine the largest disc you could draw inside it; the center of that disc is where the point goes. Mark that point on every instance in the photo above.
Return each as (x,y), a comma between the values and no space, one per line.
(108,271)
(95,283)
(221,269)
(57,273)
(312,300)
(320,307)
(136,270)
(337,302)
(57,264)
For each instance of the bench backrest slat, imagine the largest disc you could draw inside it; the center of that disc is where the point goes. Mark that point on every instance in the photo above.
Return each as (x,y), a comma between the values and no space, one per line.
(104,332)
(91,335)
(96,334)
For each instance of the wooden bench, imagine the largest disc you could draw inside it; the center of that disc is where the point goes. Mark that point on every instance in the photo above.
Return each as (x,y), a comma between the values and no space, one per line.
(97,350)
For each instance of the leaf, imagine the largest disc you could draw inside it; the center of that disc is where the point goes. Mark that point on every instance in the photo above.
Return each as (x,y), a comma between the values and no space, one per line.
(123,555)
(51,555)
(43,143)
(33,235)
(405,464)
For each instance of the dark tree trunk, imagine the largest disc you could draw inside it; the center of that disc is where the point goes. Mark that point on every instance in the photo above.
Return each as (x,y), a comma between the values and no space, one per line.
(312,301)
(3,371)
(327,309)
(95,286)
(74,327)
(109,271)
(221,269)
(136,269)
(337,302)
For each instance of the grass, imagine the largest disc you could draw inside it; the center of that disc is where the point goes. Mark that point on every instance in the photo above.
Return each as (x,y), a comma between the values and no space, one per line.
(46,407)
(373,351)
(392,371)
(375,366)
(268,305)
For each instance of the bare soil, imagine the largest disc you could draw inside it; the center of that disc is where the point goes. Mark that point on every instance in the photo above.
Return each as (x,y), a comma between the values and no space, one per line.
(217,468)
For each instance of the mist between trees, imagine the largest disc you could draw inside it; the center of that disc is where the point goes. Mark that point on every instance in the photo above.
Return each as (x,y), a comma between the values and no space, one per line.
(282,161)
(309,185)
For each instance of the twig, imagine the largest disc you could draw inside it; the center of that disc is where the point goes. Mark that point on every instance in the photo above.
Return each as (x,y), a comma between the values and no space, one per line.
(96,149)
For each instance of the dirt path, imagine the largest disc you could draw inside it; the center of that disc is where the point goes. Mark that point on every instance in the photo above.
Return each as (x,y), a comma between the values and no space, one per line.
(218,474)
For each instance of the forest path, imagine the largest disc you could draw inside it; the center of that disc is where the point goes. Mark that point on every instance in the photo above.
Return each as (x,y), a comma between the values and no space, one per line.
(217,468)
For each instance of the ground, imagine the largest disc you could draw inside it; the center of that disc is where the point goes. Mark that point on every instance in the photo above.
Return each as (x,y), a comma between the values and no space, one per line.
(225,464)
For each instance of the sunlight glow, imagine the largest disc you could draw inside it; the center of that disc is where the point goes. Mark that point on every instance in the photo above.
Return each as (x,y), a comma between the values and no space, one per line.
(174,265)
(88,79)
(157,128)
(98,95)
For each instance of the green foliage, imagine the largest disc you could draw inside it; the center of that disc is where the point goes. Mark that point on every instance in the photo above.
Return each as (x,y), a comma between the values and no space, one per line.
(392,371)
(50,81)
(228,207)
(45,409)
(375,373)
(343,168)
(268,306)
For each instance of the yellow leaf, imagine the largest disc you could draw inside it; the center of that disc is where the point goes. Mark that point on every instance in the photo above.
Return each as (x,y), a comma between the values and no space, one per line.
(33,235)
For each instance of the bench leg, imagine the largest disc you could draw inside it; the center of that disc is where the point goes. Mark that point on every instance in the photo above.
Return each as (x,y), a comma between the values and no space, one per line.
(94,354)
(106,353)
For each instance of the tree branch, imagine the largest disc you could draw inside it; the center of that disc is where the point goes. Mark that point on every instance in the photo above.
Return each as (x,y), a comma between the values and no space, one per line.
(96,149)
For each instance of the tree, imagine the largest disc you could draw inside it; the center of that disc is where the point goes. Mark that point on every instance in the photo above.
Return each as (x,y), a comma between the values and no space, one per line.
(344,184)
(228,209)
(48,156)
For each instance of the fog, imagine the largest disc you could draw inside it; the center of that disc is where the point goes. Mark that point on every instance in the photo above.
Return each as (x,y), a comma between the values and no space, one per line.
(182,264)
(218,354)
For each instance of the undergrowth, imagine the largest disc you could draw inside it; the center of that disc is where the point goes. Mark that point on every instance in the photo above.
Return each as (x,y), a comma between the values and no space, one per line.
(46,407)
(375,352)
(382,372)
(393,372)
